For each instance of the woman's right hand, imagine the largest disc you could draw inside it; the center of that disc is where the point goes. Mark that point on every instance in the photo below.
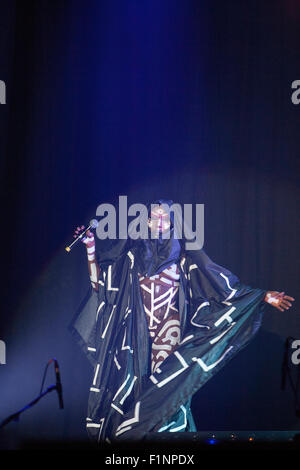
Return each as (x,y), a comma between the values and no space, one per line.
(88,239)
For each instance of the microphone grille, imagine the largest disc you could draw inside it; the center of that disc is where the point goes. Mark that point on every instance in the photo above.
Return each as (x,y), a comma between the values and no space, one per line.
(94,223)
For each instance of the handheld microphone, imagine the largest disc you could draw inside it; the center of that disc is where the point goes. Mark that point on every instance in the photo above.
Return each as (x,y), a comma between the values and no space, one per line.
(93,224)
(58,385)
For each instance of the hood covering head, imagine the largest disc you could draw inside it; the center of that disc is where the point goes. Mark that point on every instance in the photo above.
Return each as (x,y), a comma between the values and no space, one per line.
(155,254)
(152,255)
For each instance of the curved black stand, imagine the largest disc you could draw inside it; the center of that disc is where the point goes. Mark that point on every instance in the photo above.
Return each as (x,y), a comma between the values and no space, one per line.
(15,416)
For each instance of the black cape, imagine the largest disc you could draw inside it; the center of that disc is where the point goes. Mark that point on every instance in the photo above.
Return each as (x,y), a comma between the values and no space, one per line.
(219,316)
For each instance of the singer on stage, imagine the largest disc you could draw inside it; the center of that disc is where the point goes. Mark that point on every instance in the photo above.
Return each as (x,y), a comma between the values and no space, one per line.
(159,322)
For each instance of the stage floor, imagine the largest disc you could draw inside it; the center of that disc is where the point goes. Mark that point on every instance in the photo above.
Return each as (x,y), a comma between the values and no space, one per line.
(167,443)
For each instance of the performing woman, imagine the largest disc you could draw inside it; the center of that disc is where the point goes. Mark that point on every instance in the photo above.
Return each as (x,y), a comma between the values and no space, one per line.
(160,321)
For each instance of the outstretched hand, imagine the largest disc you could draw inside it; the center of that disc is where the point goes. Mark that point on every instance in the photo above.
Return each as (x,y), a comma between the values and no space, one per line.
(278,300)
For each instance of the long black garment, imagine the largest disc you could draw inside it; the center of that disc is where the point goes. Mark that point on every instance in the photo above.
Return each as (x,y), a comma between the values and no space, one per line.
(218,314)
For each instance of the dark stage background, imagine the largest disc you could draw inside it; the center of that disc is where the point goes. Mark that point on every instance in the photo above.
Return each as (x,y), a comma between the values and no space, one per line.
(188,100)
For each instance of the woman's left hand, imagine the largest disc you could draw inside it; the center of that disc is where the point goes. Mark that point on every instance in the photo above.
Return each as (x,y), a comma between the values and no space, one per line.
(278,300)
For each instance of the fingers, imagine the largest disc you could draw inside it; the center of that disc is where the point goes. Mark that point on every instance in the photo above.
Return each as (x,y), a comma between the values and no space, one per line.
(278,306)
(86,237)
(284,305)
(78,230)
(282,294)
(284,302)
(289,298)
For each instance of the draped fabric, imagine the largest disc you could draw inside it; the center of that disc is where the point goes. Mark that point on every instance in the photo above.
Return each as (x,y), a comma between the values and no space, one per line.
(218,317)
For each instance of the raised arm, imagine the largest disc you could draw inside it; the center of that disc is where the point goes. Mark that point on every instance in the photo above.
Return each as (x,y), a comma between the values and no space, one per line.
(89,241)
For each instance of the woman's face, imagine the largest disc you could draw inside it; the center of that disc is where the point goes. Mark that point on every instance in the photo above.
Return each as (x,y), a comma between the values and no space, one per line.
(159,220)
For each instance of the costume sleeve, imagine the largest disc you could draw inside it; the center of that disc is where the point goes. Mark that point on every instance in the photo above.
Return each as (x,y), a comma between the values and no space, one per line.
(220,316)
(83,325)
(211,281)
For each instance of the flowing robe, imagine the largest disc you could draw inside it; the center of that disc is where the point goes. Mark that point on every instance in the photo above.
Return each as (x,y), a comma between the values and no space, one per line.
(218,317)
